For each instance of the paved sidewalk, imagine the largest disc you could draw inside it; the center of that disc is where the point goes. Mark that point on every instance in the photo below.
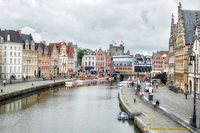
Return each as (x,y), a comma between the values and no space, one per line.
(176,103)
(22,86)
(154,119)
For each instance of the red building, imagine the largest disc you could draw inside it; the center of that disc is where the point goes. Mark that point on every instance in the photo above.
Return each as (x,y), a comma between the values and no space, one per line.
(160,62)
(100,60)
(108,63)
(44,60)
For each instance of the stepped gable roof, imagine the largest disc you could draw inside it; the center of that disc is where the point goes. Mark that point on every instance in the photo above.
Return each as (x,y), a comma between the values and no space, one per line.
(189,17)
(58,46)
(14,36)
(69,50)
(41,45)
(50,49)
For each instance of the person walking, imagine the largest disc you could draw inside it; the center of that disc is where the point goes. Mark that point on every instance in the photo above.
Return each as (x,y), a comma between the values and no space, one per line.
(156,84)
(186,93)
(4,82)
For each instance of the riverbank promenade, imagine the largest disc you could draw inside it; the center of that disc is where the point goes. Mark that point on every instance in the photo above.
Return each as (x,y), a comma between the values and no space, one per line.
(154,119)
(19,87)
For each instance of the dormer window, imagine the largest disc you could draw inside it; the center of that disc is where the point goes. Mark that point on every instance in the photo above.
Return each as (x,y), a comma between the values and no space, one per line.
(8,37)
(26,44)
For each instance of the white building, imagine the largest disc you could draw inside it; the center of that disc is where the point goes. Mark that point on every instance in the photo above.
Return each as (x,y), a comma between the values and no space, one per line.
(63,57)
(196,49)
(89,60)
(11,46)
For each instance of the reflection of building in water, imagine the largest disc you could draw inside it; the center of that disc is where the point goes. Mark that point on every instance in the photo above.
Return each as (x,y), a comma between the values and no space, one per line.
(24,103)
(11,107)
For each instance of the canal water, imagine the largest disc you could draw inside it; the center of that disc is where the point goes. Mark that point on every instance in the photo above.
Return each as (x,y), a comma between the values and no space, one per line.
(89,109)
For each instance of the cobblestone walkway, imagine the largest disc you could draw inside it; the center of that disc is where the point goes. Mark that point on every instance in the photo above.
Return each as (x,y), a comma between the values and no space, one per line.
(154,119)
(176,103)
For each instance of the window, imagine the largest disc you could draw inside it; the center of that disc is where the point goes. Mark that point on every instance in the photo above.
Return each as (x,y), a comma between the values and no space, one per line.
(15,69)
(5,69)
(5,60)
(15,48)
(0,69)
(5,47)
(10,60)
(4,53)
(15,54)
(18,61)
(92,58)
(15,61)
(10,53)
(18,69)
(19,54)
(11,47)
(10,69)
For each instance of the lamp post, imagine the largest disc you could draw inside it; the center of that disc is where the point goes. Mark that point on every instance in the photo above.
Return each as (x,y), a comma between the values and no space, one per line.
(193,58)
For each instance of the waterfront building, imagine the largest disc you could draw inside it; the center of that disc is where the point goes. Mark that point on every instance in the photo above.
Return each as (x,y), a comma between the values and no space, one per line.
(100,60)
(160,62)
(172,42)
(29,56)
(70,65)
(196,48)
(116,50)
(89,60)
(11,46)
(108,63)
(184,39)
(123,64)
(54,60)
(44,60)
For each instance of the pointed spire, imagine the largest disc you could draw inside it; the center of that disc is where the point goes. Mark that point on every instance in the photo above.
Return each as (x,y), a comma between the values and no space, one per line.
(197,19)
(179,6)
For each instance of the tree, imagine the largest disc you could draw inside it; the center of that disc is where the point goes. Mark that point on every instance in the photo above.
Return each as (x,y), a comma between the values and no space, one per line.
(80,54)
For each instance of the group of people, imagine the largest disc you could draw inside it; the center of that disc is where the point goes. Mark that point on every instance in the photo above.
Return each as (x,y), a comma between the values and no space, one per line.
(155,85)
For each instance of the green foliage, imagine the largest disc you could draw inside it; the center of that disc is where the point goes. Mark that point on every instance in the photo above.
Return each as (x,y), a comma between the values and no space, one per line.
(80,54)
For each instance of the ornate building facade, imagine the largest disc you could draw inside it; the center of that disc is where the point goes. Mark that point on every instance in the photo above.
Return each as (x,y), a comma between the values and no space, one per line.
(30,56)
(184,39)
(172,41)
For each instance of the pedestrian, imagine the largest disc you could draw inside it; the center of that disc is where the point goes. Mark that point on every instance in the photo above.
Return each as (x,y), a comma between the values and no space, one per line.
(156,84)
(186,93)
(157,102)
(132,84)
(4,82)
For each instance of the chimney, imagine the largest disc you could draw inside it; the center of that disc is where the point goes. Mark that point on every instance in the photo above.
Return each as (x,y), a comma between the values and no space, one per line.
(19,31)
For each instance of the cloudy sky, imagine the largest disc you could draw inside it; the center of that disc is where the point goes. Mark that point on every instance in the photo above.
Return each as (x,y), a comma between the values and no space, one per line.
(143,25)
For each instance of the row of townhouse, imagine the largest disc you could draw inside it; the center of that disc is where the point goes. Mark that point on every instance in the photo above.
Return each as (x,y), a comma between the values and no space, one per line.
(21,57)
(102,61)
(184,35)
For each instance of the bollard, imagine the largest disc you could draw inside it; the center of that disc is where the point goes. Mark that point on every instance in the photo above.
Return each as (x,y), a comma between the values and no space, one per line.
(1,90)
(32,84)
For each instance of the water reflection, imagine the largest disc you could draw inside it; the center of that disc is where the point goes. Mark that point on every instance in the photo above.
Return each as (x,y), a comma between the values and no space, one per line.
(85,109)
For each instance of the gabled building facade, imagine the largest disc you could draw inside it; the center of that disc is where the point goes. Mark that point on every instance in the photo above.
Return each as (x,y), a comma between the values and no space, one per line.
(11,46)
(184,39)
(44,60)
(29,56)
(160,62)
(100,61)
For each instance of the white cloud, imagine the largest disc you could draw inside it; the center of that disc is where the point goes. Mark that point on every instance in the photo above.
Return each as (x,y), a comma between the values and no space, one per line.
(141,24)
(28,30)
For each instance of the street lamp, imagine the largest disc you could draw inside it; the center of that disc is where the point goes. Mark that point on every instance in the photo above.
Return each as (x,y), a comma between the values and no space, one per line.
(192,58)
